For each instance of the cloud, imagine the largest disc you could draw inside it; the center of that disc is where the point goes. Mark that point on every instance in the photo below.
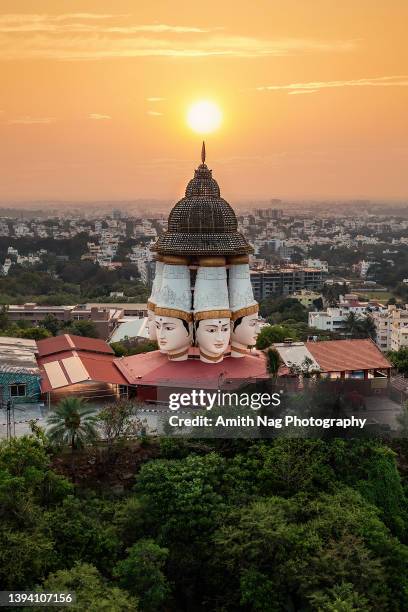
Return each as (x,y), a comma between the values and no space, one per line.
(98,117)
(88,36)
(155,99)
(314,86)
(154,113)
(85,22)
(301,91)
(27,120)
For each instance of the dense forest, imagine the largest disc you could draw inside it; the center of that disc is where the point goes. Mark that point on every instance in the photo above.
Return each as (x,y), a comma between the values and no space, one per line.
(228,525)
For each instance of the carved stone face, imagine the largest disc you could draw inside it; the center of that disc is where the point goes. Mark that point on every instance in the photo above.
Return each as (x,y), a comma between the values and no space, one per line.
(213,336)
(172,335)
(151,325)
(246,331)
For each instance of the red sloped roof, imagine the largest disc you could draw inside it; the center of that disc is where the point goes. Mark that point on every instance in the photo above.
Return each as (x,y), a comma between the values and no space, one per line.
(154,369)
(67,342)
(347,355)
(100,368)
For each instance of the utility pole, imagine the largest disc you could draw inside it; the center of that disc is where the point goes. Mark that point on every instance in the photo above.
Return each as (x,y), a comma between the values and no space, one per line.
(9,409)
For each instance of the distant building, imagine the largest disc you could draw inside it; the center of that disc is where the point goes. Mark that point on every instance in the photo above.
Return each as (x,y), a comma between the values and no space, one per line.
(364,267)
(269,213)
(316,263)
(391,328)
(307,298)
(333,319)
(284,281)
(105,317)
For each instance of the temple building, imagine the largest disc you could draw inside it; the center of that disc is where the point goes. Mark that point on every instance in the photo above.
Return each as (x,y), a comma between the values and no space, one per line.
(202,308)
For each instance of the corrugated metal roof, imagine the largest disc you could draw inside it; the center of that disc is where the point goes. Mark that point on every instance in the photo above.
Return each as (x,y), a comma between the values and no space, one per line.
(66,342)
(18,353)
(347,355)
(78,367)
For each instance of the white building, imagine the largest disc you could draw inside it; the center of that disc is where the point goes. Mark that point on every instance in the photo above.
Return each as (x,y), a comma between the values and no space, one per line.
(331,319)
(316,263)
(391,328)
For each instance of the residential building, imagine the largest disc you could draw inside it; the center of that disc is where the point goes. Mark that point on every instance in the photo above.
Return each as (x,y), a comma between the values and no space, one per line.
(391,328)
(399,329)
(333,319)
(284,281)
(307,298)
(355,359)
(316,263)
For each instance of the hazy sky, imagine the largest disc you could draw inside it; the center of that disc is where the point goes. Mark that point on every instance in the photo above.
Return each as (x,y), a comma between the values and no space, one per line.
(94,95)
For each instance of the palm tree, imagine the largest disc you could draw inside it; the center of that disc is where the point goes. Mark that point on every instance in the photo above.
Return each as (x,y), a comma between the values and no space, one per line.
(72,423)
(368,329)
(352,325)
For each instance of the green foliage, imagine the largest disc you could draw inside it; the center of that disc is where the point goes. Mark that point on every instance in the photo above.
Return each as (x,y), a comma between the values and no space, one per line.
(72,423)
(119,423)
(278,310)
(25,473)
(273,362)
(83,531)
(51,324)
(226,525)
(21,330)
(82,328)
(340,598)
(122,349)
(399,359)
(286,550)
(183,504)
(35,333)
(93,592)
(270,334)
(25,556)
(130,520)
(4,319)
(181,497)
(28,487)
(141,573)
(119,349)
(356,326)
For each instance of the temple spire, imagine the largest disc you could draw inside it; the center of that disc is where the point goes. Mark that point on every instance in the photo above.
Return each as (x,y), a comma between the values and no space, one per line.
(203,153)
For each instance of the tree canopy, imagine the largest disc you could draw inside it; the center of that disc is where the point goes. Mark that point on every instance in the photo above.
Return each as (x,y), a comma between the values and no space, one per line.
(222,525)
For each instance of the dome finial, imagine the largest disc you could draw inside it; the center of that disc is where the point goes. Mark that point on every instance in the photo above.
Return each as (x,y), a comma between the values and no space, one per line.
(203,153)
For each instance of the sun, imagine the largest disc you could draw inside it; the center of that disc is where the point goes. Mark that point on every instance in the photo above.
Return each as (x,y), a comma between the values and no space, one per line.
(204,117)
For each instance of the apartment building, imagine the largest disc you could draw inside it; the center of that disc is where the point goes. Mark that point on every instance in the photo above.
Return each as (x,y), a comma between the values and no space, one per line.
(391,328)
(284,281)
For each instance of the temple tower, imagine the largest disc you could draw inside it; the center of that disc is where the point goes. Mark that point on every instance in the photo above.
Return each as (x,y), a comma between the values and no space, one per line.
(202,252)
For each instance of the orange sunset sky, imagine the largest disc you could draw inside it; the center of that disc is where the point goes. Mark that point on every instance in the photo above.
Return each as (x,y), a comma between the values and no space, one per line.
(94,96)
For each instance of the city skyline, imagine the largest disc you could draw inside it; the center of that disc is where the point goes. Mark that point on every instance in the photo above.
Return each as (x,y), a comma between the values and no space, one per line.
(94,103)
